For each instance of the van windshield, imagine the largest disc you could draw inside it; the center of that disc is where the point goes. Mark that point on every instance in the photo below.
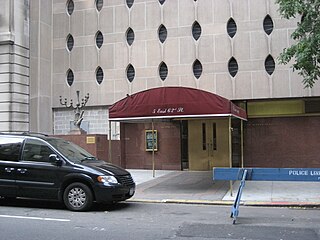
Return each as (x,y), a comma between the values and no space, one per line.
(70,150)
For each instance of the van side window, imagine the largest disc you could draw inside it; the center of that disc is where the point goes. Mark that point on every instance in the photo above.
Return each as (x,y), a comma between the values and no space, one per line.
(36,151)
(10,149)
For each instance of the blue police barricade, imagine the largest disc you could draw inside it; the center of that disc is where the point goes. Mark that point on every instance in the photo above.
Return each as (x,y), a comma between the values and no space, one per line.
(263,174)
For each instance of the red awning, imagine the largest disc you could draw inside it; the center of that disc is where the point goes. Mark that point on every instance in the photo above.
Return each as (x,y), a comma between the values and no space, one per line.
(173,102)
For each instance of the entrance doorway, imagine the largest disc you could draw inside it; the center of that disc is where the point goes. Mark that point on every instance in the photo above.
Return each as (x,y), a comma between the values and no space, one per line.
(208,117)
(208,144)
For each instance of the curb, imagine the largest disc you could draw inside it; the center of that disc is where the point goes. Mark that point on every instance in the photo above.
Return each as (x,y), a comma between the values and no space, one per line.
(283,204)
(182,201)
(229,203)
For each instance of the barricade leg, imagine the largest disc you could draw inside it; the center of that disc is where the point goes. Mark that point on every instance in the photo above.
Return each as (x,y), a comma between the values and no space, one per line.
(236,204)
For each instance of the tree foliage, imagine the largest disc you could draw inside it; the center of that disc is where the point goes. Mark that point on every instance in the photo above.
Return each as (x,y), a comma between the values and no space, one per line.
(306,50)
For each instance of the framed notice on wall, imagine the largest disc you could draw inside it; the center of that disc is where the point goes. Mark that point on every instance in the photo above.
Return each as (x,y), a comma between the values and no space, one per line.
(150,140)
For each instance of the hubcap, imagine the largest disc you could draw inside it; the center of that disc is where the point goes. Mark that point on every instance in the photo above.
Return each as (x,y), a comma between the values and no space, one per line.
(77,197)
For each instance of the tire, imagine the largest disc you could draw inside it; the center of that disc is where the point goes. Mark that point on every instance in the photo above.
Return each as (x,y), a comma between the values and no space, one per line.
(78,197)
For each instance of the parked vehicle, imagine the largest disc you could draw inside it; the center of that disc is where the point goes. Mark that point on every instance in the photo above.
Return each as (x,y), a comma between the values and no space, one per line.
(43,167)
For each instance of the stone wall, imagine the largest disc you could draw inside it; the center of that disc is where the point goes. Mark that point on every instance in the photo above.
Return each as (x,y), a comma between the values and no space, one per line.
(95,122)
(14,66)
(40,66)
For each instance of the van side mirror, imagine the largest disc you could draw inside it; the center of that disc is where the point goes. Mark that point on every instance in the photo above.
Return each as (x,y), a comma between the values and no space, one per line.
(54,159)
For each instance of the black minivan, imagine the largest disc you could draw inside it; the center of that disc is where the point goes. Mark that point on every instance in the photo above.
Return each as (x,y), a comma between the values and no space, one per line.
(43,167)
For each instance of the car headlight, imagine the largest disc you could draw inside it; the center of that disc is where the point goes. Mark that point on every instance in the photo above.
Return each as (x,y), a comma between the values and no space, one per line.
(107,180)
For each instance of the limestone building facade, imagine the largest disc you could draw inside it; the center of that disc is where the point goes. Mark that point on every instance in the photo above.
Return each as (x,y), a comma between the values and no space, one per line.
(114,48)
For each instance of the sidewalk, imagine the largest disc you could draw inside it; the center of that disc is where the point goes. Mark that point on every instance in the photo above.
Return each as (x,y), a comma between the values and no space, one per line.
(198,187)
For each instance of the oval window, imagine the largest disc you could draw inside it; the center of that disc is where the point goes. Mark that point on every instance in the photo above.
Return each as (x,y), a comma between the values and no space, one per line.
(99,39)
(99,5)
(70,7)
(163,71)
(233,67)
(196,30)
(130,3)
(70,42)
(268,25)
(130,73)
(231,27)
(162,33)
(197,68)
(130,36)
(70,77)
(269,64)
(99,75)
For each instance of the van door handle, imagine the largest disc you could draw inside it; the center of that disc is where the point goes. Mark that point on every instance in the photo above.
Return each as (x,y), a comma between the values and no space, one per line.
(22,170)
(8,169)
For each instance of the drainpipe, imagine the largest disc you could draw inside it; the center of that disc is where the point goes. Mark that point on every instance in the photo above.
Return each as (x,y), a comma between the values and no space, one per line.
(153,163)
(110,155)
(242,161)
(230,151)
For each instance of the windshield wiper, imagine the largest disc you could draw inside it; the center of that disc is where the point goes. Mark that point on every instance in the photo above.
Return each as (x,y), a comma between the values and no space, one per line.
(88,158)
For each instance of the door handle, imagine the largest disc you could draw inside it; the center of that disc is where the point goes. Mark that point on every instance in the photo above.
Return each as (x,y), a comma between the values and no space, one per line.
(22,170)
(8,169)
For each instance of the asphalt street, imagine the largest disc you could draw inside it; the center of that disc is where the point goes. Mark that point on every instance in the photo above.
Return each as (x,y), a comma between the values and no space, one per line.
(40,220)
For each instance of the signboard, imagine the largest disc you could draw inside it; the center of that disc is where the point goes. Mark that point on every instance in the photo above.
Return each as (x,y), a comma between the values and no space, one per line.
(91,140)
(268,174)
(151,139)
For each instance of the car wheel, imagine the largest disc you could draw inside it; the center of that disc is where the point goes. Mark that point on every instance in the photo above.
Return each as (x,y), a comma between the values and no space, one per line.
(78,197)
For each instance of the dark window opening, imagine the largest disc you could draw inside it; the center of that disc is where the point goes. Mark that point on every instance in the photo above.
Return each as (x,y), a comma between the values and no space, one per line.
(130,36)
(312,106)
(233,67)
(130,3)
(197,69)
(204,137)
(99,75)
(70,42)
(99,39)
(70,7)
(70,77)
(163,71)
(162,33)
(270,65)
(196,30)
(99,5)
(130,73)
(231,27)
(268,25)
(214,136)
(184,144)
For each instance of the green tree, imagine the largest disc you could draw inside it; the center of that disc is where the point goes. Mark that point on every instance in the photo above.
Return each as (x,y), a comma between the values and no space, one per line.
(306,49)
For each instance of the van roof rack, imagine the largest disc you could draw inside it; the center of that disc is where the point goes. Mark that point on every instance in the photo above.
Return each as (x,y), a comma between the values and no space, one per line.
(35,133)
(24,133)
